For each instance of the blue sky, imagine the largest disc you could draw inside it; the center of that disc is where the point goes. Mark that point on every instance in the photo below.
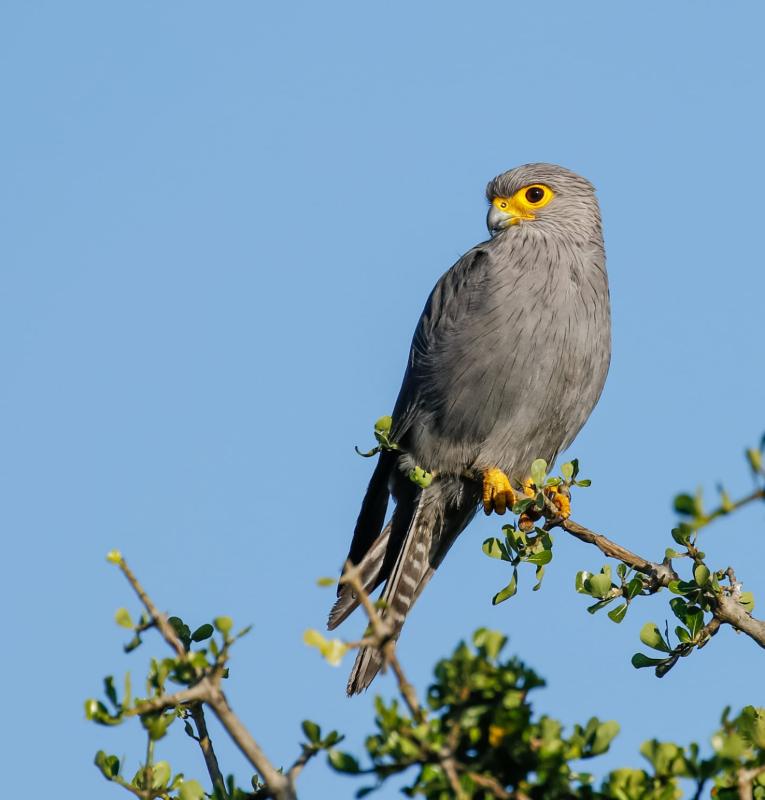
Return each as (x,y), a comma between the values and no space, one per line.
(220,224)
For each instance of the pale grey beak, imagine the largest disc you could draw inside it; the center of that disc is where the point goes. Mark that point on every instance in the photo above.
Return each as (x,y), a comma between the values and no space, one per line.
(497,220)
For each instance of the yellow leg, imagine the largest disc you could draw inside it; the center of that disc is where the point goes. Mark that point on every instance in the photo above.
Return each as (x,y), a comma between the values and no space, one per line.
(498,495)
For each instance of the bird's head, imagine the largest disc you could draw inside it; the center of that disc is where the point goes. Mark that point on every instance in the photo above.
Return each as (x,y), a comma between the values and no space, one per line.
(544,196)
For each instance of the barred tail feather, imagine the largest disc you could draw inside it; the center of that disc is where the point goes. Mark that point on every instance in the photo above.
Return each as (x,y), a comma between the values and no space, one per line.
(410,567)
(418,537)
(370,568)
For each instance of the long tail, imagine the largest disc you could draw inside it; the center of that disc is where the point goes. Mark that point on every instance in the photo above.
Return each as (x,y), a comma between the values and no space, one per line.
(439,514)
(374,551)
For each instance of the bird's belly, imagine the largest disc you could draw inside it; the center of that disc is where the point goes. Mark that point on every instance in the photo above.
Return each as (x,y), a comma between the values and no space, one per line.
(506,402)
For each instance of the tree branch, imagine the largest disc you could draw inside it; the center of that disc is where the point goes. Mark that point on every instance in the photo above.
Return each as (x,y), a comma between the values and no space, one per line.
(198,715)
(207,690)
(745,778)
(385,642)
(279,785)
(159,619)
(726,609)
(195,694)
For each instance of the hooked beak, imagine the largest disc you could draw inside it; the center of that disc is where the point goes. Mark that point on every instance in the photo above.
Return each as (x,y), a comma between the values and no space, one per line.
(497,220)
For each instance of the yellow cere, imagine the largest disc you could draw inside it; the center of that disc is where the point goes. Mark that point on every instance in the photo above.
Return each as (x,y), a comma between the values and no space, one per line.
(524,202)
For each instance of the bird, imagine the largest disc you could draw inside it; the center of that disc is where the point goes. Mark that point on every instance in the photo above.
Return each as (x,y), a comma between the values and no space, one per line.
(508,360)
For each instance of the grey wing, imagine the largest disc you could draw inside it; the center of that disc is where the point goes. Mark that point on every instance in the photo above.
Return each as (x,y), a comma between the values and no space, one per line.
(440,346)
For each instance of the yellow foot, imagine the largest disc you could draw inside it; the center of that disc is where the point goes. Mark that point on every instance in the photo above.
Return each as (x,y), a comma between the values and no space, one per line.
(560,500)
(498,495)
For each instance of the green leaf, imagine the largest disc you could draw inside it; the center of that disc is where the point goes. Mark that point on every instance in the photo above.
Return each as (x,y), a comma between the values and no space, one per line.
(634,588)
(681,587)
(754,457)
(160,774)
(683,635)
(617,614)
(523,504)
(540,558)
(599,585)
(694,619)
(584,483)
(421,477)
(109,765)
(729,745)
(97,712)
(538,472)
(539,574)
(110,691)
(334,651)
(580,584)
(489,642)
(202,632)
(604,735)
(157,724)
(343,762)
(701,574)
(332,738)
(685,504)
(326,582)
(384,424)
(670,553)
(679,608)
(682,534)
(747,601)
(650,636)
(507,592)
(595,607)
(495,549)
(191,790)
(639,660)
(567,471)
(223,625)
(751,724)
(311,730)
(313,638)
(122,618)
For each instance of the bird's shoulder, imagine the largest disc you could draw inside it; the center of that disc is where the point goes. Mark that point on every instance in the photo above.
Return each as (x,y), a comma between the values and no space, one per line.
(451,296)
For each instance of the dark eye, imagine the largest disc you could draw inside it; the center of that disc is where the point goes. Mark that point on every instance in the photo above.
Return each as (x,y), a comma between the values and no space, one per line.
(535,194)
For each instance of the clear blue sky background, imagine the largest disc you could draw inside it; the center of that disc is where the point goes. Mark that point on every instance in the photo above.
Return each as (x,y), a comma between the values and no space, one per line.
(220,223)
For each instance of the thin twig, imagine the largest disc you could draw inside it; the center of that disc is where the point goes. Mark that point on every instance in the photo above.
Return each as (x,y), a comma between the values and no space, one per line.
(300,762)
(723,510)
(159,619)
(205,744)
(195,694)
(449,767)
(487,782)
